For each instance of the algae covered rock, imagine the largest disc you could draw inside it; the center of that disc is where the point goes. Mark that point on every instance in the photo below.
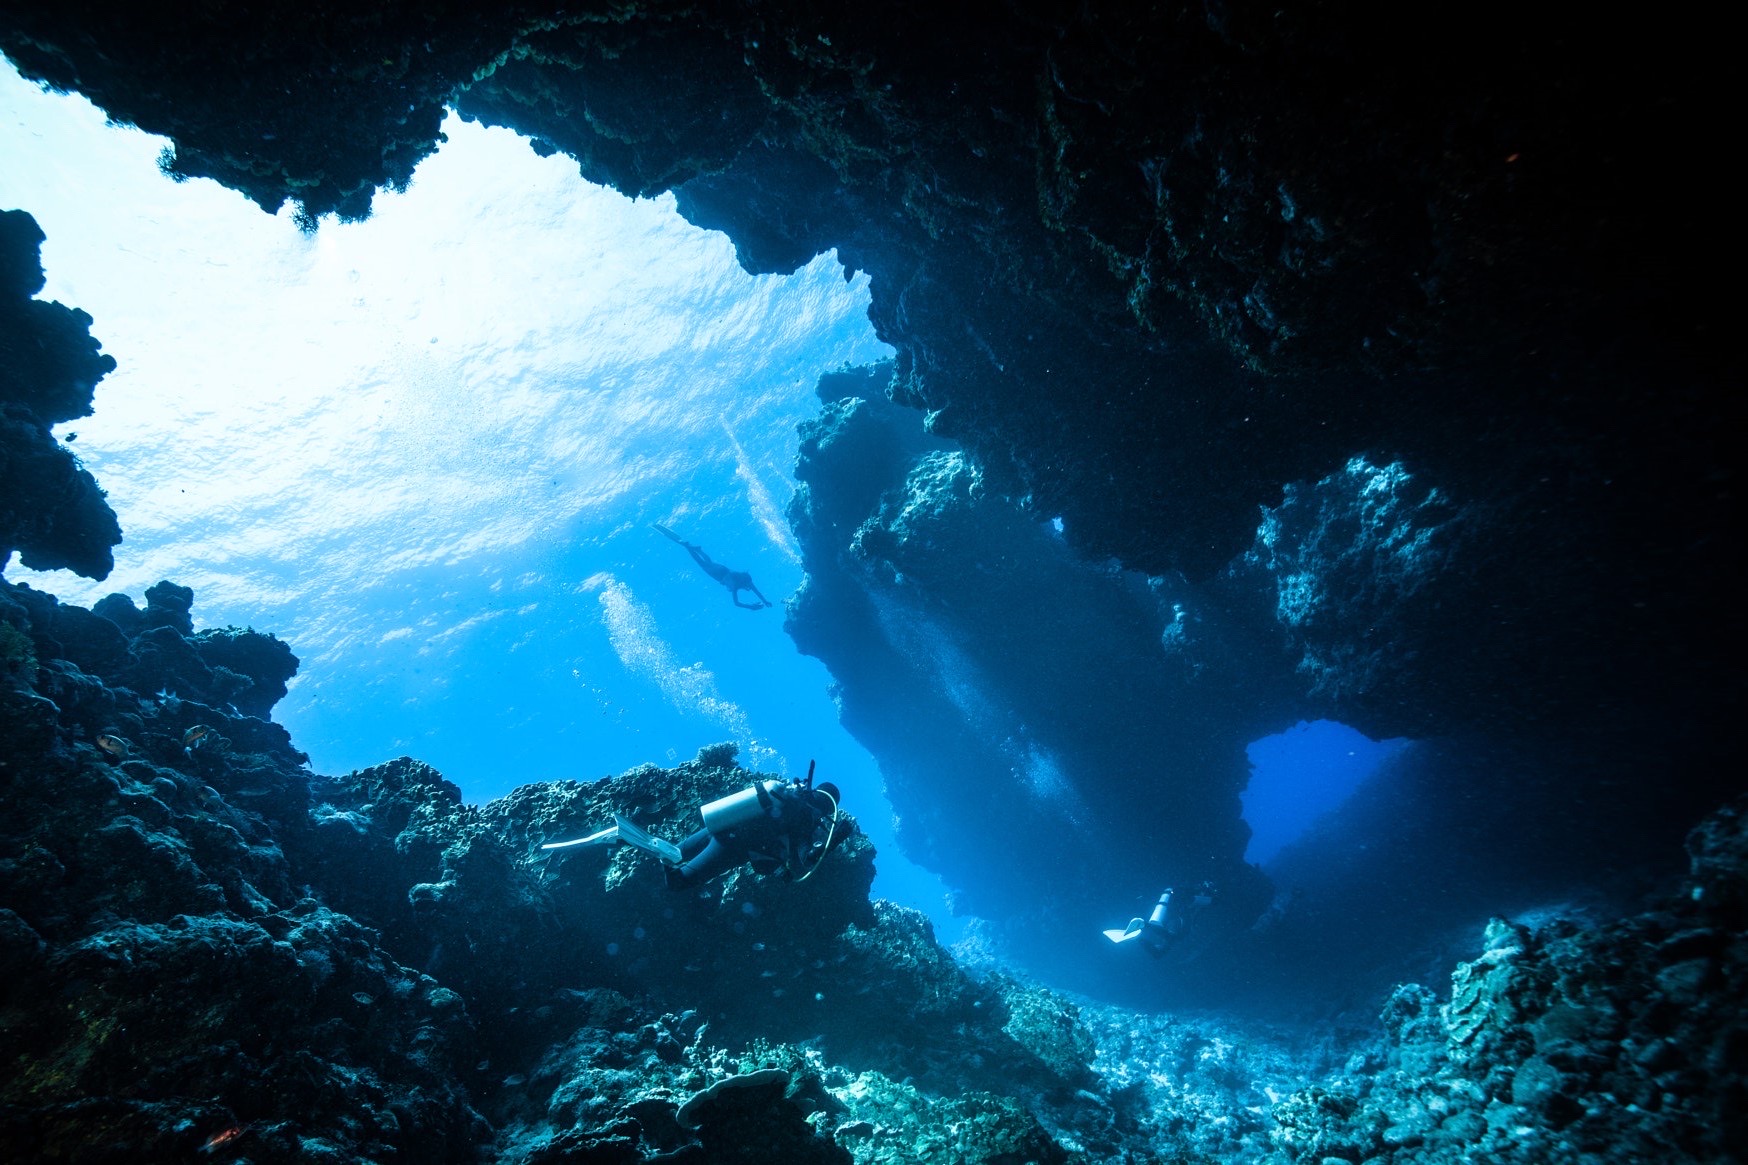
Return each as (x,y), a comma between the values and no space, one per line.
(1048,1026)
(235,673)
(263,660)
(377,1047)
(1718,865)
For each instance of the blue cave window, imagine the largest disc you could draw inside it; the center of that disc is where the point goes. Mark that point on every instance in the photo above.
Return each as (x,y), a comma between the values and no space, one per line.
(1298,776)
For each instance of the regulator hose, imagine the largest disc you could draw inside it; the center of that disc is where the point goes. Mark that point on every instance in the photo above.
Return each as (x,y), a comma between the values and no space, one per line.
(829,834)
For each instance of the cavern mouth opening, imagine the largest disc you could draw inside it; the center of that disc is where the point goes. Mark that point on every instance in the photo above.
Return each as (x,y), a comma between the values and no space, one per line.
(1274,368)
(426,449)
(1301,775)
(1141,479)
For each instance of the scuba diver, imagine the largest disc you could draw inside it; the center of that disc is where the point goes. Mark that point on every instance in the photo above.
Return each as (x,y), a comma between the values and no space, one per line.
(1159,931)
(774,825)
(735,580)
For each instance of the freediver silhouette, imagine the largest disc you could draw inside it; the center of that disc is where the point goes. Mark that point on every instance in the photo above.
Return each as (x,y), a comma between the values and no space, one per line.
(735,580)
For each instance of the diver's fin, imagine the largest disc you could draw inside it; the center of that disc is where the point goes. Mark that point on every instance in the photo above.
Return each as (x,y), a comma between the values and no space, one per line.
(631,835)
(668,532)
(605,837)
(1128,933)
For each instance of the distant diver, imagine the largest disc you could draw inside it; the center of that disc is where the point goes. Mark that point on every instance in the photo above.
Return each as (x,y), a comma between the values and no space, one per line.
(1159,931)
(735,580)
(774,825)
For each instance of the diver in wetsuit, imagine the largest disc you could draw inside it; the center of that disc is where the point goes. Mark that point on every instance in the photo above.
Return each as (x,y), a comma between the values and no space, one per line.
(774,825)
(1160,930)
(735,580)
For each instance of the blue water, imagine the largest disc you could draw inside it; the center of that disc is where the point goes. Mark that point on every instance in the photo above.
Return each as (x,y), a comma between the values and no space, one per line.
(1298,776)
(427,451)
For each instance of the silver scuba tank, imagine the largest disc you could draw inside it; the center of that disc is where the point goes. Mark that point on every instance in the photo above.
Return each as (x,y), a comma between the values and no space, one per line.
(725,814)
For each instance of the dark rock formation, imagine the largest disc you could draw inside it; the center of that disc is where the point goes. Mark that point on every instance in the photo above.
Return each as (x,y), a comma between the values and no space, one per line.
(156,650)
(51,511)
(1208,251)
(1421,282)
(171,872)
(208,952)
(1423,286)
(326,109)
(1061,740)
(1152,269)
(171,987)
(1563,1043)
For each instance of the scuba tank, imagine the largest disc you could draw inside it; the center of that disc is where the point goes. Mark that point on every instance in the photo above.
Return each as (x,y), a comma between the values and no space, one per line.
(725,814)
(1163,922)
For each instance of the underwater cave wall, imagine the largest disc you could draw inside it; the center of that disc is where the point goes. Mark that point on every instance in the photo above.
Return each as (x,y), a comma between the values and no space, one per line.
(1195,253)
(178,980)
(1063,739)
(1060,740)
(1153,267)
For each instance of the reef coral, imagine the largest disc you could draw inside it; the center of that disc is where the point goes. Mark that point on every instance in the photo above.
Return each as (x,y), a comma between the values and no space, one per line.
(209,950)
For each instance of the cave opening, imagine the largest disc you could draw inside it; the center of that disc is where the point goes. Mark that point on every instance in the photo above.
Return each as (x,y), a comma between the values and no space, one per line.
(1245,370)
(1301,775)
(427,447)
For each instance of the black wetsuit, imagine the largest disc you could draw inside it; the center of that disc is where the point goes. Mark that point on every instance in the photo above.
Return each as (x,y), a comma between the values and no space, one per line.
(735,580)
(783,836)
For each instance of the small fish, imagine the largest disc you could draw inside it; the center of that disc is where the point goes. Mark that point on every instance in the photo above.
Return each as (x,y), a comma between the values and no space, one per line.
(113,747)
(222,1138)
(195,736)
